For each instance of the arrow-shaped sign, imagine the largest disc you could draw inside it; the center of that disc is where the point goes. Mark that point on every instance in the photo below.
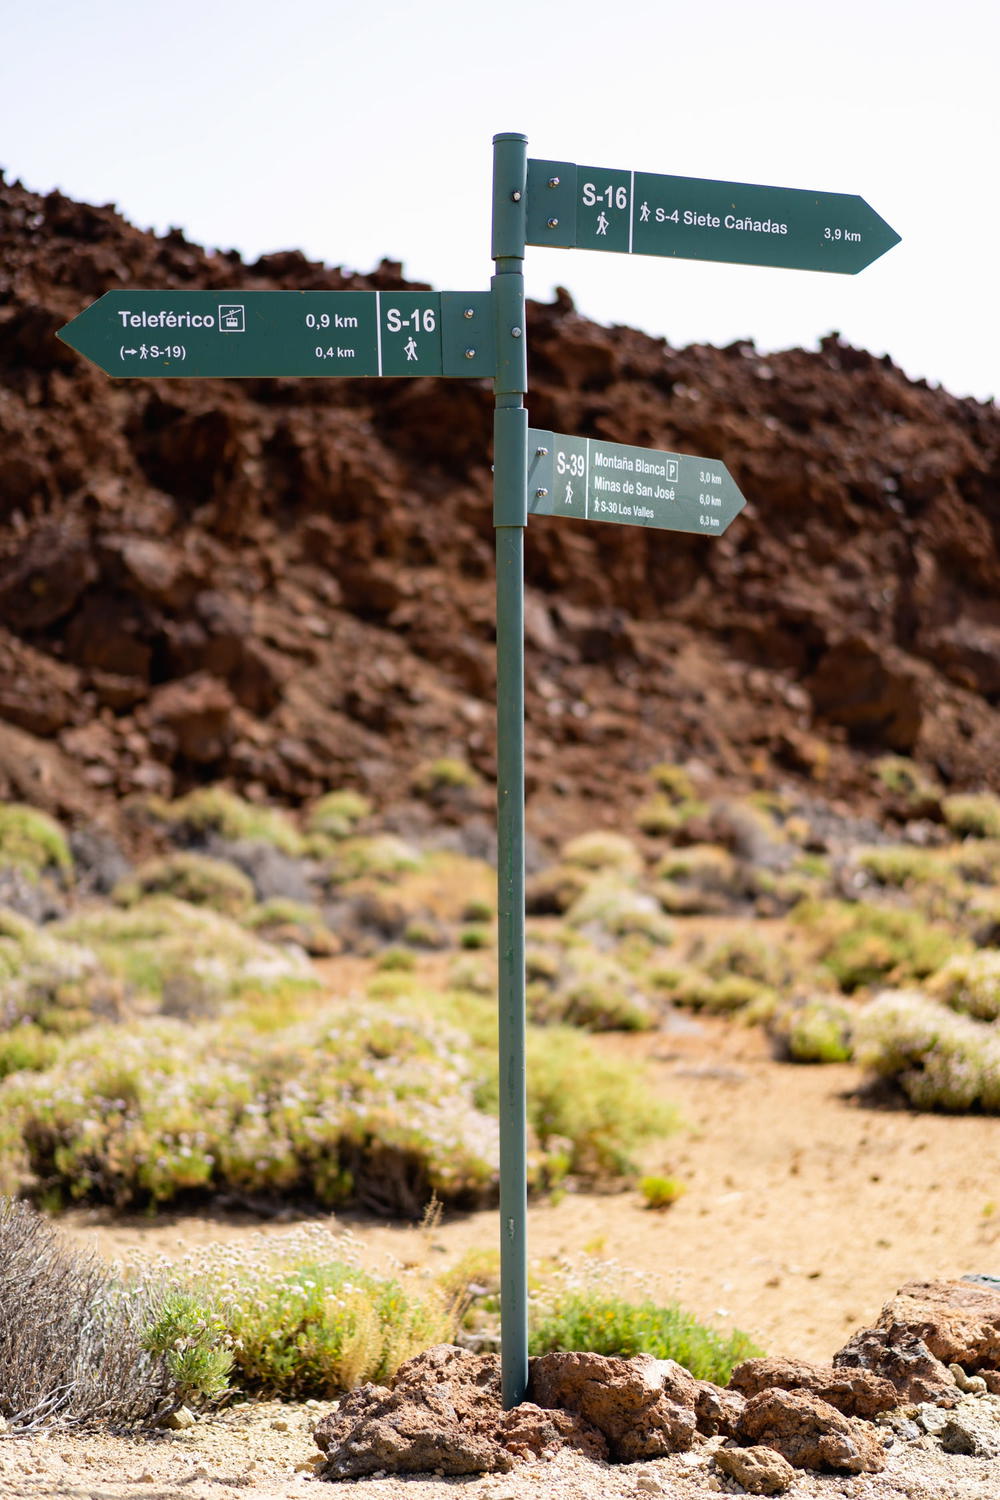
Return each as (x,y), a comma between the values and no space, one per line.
(694,218)
(234,333)
(599,481)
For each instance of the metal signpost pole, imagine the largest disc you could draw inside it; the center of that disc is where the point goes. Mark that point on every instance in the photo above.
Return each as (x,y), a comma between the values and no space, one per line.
(510,517)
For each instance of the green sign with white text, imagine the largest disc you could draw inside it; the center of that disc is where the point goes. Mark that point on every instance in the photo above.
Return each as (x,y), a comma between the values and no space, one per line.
(255,334)
(693,218)
(599,481)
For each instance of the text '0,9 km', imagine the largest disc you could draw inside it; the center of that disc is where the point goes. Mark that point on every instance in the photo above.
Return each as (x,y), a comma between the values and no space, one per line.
(259,334)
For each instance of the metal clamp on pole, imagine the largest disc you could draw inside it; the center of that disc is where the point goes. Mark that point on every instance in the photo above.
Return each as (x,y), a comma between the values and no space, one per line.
(510,515)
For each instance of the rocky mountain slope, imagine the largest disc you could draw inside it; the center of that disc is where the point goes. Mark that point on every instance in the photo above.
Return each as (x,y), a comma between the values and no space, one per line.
(289,583)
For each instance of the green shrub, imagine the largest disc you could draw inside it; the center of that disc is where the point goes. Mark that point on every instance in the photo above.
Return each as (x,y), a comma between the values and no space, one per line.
(603,852)
(817,1030)
(594,991)
(970,983)
(443,775)
(552,891)
(61,986)
(940,1059)
(399,959)
(216,810)
(382,857)
(474,937)
(338,813)
(191,877)
(283,921)
(745,954)
(661,1192)
(905,868)
(610,905)
(478,909)
(32,842)
(916,791)
(327,1327)
(595,1108)
(194,1343)
(974,815)
(699,878)
(724,996)
(27,1048)
(862,944)
(188,958)
(673,781)
(612,1326)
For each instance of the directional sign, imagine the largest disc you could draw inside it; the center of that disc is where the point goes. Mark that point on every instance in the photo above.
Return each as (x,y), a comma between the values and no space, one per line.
(599,481)
(693,218)
(241,333)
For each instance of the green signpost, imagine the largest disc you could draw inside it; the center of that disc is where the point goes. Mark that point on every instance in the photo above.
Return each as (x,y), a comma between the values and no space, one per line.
(694,218)
(600,481)
(474,334)
(250,334)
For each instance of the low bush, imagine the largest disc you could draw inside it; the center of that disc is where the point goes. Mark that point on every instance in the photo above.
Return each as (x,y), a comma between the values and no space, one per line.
(71,1346)
(188,959)
(816,1030)
(282,921)
(209,810)
(192,877)
(32,842)
(701,878)
(447,774)
(601,851)
(862,944)
(673,781)
(610,1325)
(338,813)
(973,815)
(915,793)
(940,1059)
(661,1192)
(970,983)
(382,857)
(50,980)
(583,987)
(612,906)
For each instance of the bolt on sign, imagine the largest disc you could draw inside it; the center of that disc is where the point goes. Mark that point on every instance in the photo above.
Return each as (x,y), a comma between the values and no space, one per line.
(254,334)
(694,218)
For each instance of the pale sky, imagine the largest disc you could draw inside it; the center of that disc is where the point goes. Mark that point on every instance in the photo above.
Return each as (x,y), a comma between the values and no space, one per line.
(354,131)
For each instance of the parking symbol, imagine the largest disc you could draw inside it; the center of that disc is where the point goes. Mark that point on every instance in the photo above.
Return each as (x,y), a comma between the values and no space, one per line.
(232,317)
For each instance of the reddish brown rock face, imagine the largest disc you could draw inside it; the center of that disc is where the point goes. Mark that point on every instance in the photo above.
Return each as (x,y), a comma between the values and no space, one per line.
(855,1392)
(324,551)
(810,1433)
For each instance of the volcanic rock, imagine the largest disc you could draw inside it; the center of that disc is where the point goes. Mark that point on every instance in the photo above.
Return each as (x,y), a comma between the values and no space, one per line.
(444,1413)
(760,1470)
(924,1328)
(810,1433)
(289,583)
(855,1392)
(625,1399)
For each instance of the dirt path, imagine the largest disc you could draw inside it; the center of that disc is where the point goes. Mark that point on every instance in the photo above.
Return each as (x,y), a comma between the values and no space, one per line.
(804,1211)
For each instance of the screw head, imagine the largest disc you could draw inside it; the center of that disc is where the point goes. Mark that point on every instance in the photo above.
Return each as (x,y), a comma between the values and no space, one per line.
(553,182)
(470,353)
(468,312)
(541,452)
(552,223)
(540,494)
(515,196)
(515,333)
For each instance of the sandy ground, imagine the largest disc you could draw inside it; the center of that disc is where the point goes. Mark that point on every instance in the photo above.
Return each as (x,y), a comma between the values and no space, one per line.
(806,1209)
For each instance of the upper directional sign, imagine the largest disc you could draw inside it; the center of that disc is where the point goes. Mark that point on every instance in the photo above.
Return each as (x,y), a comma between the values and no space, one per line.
(599,481)
(287,333)
(641,213)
